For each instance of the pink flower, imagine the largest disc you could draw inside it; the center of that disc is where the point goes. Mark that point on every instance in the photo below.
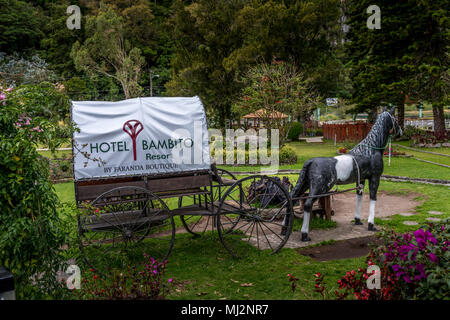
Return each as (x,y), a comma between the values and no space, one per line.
(9,89)
(170,280)
(433,258)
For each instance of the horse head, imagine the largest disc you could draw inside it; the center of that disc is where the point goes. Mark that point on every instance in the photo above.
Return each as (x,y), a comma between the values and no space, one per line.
(392,124)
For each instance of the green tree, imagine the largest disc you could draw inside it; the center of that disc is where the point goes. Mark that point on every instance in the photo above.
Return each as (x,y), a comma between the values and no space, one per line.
(217,41)
(274,89)
(204,38)
(375,55)
(20,26)
(406,56)
(107,52)
(58,40)
(304,32)
(428,59)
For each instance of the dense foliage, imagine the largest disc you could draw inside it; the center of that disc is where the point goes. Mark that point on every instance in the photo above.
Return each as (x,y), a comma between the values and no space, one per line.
(144,282)
(31,232)
(295,131)
(413,265)
(275,91)
(402,57)
(204,48)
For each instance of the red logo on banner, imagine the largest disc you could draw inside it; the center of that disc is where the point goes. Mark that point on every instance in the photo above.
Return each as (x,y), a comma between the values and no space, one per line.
(133,128)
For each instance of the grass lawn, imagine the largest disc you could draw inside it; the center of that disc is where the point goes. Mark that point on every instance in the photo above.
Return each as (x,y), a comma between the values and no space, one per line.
(203,269)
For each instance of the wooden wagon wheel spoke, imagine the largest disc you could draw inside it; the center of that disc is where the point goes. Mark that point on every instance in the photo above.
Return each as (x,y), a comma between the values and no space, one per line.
(198,225)
(272,231)
(248,216)
(133,221)
(265,236)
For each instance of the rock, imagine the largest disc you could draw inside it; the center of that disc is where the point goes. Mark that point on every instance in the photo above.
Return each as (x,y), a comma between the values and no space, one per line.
(429,145)
(410,223)
(433,219)
(407,214)
(437,145)
(446,144)
(435,212)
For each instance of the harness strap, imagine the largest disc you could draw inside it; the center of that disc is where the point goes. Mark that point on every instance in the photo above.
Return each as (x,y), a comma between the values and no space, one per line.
(357,169)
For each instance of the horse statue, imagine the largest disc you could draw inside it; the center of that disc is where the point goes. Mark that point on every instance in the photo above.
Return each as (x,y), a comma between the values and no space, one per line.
(363,162)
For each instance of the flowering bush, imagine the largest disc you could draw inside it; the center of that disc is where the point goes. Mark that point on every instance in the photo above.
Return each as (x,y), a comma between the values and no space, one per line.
(131,284)
(355,283)
(428,137)
(412,266)
(419,261)
(31,230)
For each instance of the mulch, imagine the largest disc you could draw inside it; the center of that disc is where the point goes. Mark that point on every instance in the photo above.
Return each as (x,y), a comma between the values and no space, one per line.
(343,249)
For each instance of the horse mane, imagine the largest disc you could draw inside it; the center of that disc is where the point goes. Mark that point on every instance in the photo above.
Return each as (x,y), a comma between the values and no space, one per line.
(376,137)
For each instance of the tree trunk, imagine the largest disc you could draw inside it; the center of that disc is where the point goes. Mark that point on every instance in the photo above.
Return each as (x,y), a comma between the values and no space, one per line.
(439,120)
(372,115)
(401,114)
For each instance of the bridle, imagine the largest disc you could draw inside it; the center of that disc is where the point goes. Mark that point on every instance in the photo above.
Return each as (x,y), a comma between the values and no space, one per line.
(393,124)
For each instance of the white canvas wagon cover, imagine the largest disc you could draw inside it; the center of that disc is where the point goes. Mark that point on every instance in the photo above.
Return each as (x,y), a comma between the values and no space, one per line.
(141,136)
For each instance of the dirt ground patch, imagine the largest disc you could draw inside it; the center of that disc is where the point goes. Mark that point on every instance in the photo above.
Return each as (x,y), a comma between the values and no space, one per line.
(344,249)
(344,205)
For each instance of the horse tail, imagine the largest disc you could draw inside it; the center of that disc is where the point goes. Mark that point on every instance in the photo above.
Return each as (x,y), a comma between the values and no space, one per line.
(303,182)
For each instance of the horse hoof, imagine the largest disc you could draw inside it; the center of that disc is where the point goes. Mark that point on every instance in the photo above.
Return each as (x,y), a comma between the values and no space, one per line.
(358,222)
(305,237)
(371,227)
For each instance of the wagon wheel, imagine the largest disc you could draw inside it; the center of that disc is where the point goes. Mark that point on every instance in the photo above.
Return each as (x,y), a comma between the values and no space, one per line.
(122,224)
(247,220)
(198,225)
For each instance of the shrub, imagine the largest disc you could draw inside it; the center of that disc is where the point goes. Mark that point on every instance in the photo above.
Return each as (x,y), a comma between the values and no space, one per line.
(31,231)
(287,155)
(418,260)
(295,131)
(428,137)
(145,283)
(413,265)
(410,131)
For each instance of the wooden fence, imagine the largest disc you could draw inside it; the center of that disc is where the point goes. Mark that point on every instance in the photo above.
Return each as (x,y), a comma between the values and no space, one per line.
(352,131)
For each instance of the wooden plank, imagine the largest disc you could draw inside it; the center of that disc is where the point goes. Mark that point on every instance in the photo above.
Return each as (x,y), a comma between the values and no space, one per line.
(90,191)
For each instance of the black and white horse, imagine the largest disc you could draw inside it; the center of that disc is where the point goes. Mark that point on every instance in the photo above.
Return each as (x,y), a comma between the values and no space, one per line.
(363,162)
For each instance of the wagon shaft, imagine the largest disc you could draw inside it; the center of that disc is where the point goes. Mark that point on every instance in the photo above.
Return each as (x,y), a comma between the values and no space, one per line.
(118,220)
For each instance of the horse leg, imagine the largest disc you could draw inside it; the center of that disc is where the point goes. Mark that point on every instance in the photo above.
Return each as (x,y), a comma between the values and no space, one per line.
(307,209)
(359,196)
(300,188)
(374,182)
